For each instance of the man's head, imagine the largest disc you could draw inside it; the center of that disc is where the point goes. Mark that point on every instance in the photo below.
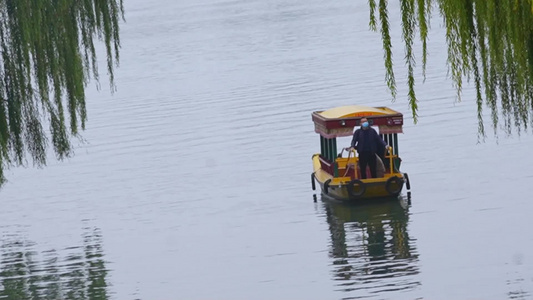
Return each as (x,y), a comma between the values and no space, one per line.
(364,123)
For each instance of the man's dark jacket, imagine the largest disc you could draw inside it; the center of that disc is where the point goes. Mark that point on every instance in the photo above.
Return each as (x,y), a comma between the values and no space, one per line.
(368,140)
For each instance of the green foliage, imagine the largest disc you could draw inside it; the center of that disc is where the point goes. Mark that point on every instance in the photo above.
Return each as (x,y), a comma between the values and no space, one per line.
(489,42)
(47,58)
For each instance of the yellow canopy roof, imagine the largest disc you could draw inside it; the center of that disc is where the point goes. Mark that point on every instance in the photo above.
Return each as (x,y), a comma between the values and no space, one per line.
(351,111)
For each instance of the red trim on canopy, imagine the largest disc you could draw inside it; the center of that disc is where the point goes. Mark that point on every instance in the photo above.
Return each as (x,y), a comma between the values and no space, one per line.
(332,128)
(384,129)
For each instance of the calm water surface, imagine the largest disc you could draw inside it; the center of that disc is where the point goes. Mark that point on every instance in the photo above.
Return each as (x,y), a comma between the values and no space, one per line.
(194,181)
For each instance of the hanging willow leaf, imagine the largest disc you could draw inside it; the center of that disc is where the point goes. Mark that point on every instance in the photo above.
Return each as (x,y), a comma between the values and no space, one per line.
(408,24)
(387,46)
(489,42)
(372,23)
(424,13)
(48,56)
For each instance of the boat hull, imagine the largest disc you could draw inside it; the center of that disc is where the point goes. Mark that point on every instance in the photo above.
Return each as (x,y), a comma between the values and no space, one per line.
(350,190)
(375,190)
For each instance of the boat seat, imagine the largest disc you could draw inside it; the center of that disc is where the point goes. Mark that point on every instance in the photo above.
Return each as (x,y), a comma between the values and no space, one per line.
(326,165)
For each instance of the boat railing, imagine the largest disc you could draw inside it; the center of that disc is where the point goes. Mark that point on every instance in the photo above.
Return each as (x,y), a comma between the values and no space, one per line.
(351,161)
(347,162)
(391,157)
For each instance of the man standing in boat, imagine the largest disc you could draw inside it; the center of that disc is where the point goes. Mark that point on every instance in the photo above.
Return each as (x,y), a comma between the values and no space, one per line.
(367,142)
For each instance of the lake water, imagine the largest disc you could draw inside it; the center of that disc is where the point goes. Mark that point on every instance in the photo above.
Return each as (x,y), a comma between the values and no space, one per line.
(194,181)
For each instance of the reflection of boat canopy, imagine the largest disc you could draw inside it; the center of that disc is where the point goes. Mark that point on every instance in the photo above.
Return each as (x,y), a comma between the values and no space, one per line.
(340,177)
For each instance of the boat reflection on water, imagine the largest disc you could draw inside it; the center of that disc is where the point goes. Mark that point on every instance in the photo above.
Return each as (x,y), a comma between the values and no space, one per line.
(74,273)
(371,248)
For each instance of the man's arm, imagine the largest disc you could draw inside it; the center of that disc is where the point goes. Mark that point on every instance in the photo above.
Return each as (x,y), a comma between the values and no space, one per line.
(355,138)
(381,141)
(381,145)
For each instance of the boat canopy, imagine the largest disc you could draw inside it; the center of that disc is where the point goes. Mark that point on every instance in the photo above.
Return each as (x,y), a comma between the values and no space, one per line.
(340,121)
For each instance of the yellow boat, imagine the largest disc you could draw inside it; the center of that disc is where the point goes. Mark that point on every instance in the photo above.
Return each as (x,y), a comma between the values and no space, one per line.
(339,177)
